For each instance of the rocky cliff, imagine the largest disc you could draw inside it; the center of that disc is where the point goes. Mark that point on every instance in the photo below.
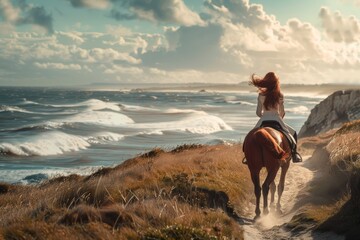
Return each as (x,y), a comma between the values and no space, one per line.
(332,112)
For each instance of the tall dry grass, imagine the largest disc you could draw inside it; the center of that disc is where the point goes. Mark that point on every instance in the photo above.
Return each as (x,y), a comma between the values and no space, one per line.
(196,190)
(333,203)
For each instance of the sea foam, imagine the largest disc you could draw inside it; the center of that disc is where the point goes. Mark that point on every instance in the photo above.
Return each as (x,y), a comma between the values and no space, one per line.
(4,108)
(50,143)
(198,124)
(303,110)
(37,175)
(91,104)
(55,143)
(99,118)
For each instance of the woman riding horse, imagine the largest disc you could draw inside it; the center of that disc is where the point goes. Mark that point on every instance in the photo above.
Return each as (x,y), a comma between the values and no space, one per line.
(269,145)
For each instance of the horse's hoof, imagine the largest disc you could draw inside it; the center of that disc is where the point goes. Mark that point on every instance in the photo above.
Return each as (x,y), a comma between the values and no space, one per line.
(266,211)
(278,211)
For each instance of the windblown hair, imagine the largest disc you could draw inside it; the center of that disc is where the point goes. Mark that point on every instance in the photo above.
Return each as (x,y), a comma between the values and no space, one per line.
(269,86)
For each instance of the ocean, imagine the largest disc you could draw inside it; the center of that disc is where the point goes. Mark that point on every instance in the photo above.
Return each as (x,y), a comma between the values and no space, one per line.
(47,132)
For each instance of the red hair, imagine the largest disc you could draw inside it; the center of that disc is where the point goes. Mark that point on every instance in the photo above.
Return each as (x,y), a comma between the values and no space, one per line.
(269,86)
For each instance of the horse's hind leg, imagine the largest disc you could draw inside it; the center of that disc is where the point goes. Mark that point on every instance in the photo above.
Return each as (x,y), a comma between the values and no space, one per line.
(266,186)
(257,189)
(281,186)
(272,192)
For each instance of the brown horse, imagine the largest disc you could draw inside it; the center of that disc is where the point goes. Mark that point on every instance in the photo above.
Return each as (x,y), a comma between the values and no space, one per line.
(269,148)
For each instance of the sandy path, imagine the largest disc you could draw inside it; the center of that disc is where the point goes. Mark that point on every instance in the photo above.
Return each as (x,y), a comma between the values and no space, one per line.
(270,226)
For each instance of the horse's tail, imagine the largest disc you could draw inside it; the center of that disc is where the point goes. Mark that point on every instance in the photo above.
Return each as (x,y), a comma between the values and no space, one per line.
(269,143)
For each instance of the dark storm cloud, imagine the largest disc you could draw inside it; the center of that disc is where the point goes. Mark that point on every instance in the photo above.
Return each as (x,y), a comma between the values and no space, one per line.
(168,11)
(162,10)
(196,47)
(118,15)
(171,11)
(38,16)
(99,4)
(21,13)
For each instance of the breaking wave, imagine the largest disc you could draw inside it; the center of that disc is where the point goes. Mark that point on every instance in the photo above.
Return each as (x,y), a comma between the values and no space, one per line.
(4,108)
(55,143)
(203,124)
(91,104)
(303,110)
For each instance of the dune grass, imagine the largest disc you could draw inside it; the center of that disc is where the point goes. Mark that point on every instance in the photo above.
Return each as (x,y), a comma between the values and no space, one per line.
(333,203)
(191,191)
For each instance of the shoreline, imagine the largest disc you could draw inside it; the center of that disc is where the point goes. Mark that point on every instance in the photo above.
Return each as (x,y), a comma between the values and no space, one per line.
(195,189)
(322,89)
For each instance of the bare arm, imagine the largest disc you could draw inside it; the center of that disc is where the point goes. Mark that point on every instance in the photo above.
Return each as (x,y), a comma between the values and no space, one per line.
(259,107)
(281,107)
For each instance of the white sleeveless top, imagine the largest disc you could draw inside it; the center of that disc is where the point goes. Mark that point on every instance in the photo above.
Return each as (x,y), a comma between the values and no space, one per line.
(275,114)
(279,108)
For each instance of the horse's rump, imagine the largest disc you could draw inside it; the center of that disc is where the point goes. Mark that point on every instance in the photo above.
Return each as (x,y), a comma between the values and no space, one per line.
(266,138)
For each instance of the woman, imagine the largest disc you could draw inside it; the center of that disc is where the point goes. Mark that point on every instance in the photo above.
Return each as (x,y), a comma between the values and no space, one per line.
(270,106)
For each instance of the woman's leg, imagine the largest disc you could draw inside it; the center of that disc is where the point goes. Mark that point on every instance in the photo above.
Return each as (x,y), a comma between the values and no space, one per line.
(292,131)
(295,155)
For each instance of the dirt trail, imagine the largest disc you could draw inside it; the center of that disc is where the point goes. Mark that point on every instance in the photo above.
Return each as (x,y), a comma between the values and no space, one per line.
(271,226)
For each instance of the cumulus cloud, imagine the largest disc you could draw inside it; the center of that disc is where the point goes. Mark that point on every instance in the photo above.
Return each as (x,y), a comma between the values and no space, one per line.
(71,52)
(238,36)
(195,47)
(111,55)
(339,28)
(307,38)
(354,2)
(116,69)
(168,11)
(242,12)
(232,40)
(26,14)
(8,12)
(74,37)
(60,66)
(241,37)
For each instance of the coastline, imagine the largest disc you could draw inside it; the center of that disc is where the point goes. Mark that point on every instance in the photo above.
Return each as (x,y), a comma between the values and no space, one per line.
(193,191)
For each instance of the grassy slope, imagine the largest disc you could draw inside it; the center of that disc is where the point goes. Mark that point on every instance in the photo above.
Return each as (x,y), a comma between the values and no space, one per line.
(189,192)
(333,201)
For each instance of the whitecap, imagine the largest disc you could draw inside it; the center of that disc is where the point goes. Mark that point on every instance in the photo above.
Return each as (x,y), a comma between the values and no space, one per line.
(241,102)
(25,102)
(176,111)
(50,143)
(136,108)
(303,110)
(95,104)
(155,132)
(91,104)
(5,108)
(204,124)
(98,118)
(104,137)
(23,175)
(198,124)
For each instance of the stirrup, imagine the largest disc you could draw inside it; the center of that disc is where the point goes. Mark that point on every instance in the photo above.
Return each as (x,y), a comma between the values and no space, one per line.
(244,161)
(296,157)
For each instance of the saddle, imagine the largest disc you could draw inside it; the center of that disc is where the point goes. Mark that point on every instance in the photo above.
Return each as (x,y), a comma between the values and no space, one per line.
(276,125)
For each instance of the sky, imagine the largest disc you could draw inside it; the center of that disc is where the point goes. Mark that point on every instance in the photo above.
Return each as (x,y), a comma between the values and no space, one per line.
(82,42)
